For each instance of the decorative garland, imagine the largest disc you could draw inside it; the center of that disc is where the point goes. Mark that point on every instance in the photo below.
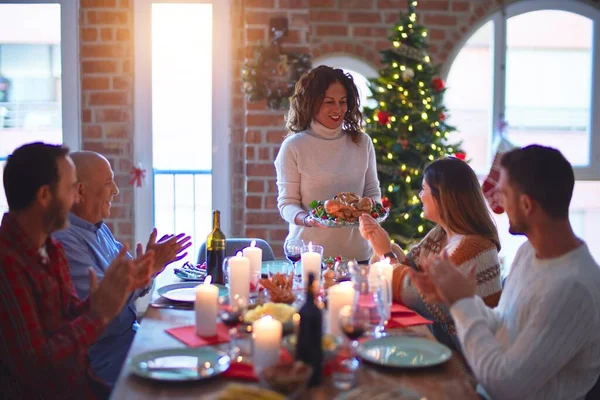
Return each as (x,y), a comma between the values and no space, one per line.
(271,74)
(406,50)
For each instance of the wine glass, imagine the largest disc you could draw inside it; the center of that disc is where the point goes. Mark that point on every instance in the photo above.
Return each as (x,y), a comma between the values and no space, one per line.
(354,322)
(231,314)
(292,249)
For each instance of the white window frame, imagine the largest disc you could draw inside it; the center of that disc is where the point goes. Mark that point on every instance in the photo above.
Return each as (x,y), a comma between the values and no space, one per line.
(590,172)
(70,72)
(347,61)
(221,111)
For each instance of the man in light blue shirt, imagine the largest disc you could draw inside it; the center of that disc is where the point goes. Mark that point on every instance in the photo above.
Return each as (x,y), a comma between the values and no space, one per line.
(89,243)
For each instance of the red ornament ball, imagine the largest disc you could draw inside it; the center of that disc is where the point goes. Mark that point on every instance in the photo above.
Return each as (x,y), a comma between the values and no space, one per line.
(383,117)
(385,202)
(460,155)
(442,117)
(438,84)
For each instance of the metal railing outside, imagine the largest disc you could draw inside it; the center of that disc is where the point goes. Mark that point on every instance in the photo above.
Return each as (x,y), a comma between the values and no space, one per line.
(174,186)
(31,115)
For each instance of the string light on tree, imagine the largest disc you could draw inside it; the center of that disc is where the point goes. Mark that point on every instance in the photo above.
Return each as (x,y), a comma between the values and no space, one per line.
(408,125)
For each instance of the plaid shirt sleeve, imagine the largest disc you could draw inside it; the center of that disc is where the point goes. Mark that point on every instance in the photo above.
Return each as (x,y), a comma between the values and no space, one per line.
(26,347)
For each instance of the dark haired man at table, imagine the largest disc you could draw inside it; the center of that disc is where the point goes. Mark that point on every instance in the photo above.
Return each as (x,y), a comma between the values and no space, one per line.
(542,341)
(45,330)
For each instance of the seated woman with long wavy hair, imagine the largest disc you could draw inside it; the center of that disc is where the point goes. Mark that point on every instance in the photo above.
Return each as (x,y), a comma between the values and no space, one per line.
(452,199)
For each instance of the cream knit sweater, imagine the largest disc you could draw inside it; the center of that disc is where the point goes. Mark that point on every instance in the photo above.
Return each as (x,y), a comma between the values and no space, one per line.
(543,340)
(316,165)
(464,252)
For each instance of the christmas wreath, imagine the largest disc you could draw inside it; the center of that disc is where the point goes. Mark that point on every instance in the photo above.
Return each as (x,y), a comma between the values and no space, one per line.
(272,73)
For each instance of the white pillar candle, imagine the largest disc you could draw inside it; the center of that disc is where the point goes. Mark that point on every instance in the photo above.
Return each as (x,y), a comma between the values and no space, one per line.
(383,269)
(266,339)
(338,296)
(254,254)
(311,262)
(239,277)
(206,306)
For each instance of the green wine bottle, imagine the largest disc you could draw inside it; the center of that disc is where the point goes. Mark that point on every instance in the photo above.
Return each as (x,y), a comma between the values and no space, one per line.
(215,250)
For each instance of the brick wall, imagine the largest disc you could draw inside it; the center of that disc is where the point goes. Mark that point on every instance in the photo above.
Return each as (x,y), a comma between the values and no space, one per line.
(353,27)
(106,52)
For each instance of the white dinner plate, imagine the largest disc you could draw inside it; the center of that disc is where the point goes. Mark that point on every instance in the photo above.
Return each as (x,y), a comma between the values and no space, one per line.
(404,352)
(180,364)
(184,291)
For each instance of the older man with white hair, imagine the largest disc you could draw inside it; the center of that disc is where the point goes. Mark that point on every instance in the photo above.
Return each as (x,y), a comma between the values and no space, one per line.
(88,242)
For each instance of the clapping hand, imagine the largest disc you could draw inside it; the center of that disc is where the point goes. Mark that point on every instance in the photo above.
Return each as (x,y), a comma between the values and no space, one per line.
(122,276)
(167,250)
(442,282)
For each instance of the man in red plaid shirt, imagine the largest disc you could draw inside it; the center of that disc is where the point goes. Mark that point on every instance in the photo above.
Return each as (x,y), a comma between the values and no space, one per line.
(45,329)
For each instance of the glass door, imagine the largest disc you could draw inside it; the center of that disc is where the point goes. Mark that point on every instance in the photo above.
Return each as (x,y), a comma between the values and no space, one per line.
(178,145)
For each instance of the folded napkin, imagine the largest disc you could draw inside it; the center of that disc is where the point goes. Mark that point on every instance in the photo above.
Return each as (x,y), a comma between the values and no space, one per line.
(405,320)
(240,370)
(245,371)
(398,308)
(187,335)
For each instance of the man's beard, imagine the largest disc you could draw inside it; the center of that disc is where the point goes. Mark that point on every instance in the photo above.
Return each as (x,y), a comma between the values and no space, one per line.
(55,218)
(516,227)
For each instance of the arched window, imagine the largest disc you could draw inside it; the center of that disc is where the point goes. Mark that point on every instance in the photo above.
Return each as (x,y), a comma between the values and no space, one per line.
(360,71)
(535,69)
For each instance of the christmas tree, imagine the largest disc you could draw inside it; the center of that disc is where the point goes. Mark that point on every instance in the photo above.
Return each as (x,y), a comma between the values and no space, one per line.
(408,126)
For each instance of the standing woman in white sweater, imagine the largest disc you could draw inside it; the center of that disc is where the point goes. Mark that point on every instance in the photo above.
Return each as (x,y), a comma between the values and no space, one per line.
(325,152)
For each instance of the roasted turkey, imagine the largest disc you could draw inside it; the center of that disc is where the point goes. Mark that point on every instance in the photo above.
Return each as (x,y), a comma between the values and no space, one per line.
(348,206)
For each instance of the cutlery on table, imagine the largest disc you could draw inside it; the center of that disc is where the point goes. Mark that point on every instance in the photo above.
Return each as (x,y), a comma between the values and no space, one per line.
(173,306)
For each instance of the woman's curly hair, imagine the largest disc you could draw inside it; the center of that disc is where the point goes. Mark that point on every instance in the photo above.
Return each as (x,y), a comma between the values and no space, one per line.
(309,93)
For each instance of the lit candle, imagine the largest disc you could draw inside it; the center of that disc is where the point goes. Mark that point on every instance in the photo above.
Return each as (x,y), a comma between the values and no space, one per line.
(383,269)
(338,296)
(311,262)
(206,305)
(254,254)
(266,339)
(239,277)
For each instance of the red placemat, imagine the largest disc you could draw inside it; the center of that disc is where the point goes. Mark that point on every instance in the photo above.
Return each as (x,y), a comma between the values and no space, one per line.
(187,335)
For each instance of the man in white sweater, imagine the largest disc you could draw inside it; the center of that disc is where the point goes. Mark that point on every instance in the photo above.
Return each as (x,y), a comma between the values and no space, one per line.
(542,341)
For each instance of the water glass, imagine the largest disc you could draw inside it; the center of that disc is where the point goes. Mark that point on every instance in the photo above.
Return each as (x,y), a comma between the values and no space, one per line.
(311,264)
(282,267)
(231,313)
(315,248)
(354,323)
(254,282)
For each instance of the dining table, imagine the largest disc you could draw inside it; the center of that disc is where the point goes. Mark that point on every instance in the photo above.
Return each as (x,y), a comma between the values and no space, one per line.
(450,380)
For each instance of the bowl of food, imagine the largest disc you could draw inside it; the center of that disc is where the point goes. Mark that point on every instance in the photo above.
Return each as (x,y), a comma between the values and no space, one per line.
(290,379)
(280,287)
(281,312)
(331,345)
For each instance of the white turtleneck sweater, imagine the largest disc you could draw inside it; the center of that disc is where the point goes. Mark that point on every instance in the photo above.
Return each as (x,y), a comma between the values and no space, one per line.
(542,341)
(316,165)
